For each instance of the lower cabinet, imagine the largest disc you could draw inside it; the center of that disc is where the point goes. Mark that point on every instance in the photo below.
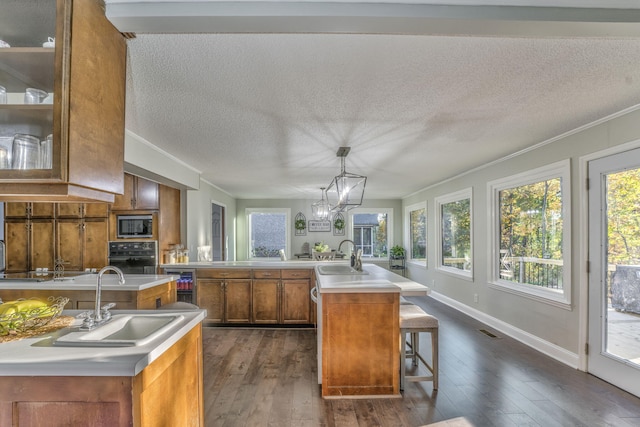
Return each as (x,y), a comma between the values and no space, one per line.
(258,296)
(82,243)
(29,245)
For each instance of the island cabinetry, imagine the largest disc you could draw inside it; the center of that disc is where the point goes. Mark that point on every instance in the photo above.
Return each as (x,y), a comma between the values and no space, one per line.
(85,74)
(266,297)
(295,300)
(29,244)
(139,194)
(225,294)
(360,344)
(169,389)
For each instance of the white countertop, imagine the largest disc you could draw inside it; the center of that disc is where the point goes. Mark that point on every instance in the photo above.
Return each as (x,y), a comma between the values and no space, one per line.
(132,282)
(247,264)
(37,357)
(378,280)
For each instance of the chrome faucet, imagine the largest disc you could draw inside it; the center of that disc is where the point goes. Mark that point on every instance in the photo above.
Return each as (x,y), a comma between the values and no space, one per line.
(101,315)
(358,254)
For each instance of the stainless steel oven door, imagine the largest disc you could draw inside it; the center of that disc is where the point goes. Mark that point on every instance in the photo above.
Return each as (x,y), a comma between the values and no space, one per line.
(132,265)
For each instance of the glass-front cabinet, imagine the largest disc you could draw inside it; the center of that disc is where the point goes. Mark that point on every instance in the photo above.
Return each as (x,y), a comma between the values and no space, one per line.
(62,84)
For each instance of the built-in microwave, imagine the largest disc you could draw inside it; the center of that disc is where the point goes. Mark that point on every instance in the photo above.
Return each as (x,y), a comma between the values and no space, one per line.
(135,226)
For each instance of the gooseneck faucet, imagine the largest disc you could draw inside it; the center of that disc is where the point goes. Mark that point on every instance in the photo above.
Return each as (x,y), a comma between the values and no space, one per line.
(358,252)
(101,315)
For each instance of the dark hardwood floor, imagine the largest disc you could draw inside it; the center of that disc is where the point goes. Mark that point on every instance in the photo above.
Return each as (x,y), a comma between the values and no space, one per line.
(268,377)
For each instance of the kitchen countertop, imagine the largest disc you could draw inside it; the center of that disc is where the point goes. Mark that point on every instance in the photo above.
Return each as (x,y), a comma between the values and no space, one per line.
(37,357)
(249,264)
(378,280)
(89,281)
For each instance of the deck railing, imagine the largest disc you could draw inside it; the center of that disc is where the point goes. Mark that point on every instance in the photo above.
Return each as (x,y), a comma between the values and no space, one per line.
(546,273)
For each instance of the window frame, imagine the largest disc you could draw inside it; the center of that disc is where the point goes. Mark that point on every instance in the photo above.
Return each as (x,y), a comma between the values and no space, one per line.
(287,239)
(562,170)
(407,234)
(386,211)
(439,202)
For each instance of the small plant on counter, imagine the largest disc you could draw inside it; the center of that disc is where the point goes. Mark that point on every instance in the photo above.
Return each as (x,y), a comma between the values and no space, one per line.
(338,224)
(397,252)
(301,224)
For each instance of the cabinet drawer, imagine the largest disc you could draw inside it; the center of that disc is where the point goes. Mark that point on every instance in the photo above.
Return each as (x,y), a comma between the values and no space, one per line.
(296,274)
(266,274)
(224,273)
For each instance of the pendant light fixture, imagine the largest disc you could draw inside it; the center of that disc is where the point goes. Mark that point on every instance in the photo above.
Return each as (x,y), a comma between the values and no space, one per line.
(346,191)
(321,209)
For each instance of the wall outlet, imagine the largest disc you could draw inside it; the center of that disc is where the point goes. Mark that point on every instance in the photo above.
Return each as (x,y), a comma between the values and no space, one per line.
(475,297)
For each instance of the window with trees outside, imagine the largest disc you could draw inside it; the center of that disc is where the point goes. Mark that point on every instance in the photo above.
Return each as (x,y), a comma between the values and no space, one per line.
(267,232)
(371,230)
(530,234)
(455,245)
(416,232)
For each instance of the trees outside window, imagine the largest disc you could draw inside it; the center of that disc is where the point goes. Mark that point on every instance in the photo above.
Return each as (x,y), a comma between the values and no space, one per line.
(371,231)
(416,232)
(530,233)
(455,246)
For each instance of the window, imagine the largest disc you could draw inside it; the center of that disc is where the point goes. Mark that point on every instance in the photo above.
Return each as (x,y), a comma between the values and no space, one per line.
(530,233)
(268,232)
(371,231)
(416,232)
(454,233)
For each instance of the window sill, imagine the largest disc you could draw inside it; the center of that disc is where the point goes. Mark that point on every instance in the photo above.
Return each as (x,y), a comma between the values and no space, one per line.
(460,274)
(555,298)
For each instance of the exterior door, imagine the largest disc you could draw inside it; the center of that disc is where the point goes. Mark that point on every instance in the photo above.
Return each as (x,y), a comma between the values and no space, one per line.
(614,278)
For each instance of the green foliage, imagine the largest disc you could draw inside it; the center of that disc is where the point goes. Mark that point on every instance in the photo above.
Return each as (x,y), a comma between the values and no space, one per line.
(300,224)
(623,217)
(397,252)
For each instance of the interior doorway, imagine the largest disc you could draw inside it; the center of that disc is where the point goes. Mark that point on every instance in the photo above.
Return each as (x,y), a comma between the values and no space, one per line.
(218,238)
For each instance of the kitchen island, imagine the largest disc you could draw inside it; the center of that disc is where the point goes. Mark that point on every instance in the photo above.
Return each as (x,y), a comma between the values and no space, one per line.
(140,291)
(45,384)
(359,332)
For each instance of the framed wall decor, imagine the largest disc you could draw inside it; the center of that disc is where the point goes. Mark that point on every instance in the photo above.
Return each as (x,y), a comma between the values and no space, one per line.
(339,225)
(319,225)
(300,225)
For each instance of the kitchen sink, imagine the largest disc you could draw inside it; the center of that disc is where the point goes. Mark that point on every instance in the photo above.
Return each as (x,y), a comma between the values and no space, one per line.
(124,330)
(334,269)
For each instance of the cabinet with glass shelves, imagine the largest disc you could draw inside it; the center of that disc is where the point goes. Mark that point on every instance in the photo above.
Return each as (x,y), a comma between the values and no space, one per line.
(84,112)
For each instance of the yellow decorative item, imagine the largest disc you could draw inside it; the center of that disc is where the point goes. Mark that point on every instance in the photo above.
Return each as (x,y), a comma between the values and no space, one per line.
(24,314)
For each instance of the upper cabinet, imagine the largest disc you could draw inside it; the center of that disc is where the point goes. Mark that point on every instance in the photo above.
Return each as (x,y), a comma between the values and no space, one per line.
(139,194)
(84,78)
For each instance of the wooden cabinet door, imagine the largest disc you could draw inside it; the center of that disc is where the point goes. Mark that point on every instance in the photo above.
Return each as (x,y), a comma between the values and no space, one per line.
(95,251)
(41,245)
(68,210)
(16,209)
(146,194)
(210,296)
(96,210)
(125,201)
(265,298)
(238,301)
(296,302)
(42,210)
(69,243)
(168,217)
(16,236)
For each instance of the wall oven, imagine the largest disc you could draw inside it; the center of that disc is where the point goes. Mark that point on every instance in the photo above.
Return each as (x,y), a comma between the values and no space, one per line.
(134,257)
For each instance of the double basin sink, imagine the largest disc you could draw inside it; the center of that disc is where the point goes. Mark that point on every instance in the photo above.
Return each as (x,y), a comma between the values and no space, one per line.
(123,330)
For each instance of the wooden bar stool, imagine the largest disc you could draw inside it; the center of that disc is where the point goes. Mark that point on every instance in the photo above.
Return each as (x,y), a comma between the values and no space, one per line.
(414,320)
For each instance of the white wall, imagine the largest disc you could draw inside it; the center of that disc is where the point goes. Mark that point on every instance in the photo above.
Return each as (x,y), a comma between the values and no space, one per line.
(535,320)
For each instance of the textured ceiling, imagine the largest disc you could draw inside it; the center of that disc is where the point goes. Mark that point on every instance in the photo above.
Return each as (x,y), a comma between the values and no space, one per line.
(262,115)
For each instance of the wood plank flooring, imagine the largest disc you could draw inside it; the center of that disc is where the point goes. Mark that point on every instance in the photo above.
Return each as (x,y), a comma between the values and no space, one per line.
(268,377)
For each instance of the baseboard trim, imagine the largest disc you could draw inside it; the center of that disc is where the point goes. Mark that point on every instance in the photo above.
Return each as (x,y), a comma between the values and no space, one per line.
(558,353)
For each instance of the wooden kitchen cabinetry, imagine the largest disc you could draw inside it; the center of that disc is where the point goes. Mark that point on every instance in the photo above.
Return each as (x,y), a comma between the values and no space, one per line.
(139,194)
(86,73)
(281,297)
(25,210)
(225,294)
(82,243)
(29,245)
(82,210)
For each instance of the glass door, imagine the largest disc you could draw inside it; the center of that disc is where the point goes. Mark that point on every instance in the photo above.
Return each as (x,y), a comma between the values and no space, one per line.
(614,278)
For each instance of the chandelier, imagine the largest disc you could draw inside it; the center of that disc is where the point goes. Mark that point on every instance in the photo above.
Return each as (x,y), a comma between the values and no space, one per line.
(321,209)
(347,189)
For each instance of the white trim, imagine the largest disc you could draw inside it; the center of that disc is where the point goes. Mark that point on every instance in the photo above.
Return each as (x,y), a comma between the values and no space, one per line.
(583,249)
(552,350)
(466,193)
(562,170)
(407,233)
(286,211)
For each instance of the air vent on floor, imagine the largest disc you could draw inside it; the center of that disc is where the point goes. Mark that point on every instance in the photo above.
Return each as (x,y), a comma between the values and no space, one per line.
(489,334)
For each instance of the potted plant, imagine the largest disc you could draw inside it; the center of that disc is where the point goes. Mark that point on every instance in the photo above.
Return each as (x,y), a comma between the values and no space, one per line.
(300,224)
(397,252)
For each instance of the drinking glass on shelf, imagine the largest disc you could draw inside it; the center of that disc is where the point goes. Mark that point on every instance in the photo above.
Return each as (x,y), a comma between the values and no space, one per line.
(6,145)
(3,95)
(46,152)
(26,152)
(34,96)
